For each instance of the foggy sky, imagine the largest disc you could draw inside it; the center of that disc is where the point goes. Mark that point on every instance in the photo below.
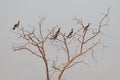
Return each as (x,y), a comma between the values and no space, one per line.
(23,66)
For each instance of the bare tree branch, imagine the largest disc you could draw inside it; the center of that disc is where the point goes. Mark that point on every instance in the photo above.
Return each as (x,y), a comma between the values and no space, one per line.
(80,39)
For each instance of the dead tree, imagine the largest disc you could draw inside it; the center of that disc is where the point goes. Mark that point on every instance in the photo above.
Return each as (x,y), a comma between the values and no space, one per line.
(61,42)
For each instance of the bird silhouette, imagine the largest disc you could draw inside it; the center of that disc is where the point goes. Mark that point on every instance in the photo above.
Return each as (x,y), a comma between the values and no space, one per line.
(85,28)
(70,33)
(16,25)
(56,34)
(58,31)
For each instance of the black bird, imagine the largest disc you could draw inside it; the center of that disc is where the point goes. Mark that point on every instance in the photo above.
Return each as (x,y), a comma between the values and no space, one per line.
(68,36)
(56,34)
(16,25)
(85,28)
(58,31)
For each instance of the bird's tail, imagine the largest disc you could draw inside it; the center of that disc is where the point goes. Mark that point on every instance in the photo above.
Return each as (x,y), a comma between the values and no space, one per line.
(13,28)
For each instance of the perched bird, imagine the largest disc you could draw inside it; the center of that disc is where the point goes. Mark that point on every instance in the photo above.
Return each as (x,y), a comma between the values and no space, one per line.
(70,34)
(58,31)
(85,28)
(16,25)
(56,34)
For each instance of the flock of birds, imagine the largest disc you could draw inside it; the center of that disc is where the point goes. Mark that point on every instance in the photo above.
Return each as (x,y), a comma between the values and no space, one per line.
(57,32)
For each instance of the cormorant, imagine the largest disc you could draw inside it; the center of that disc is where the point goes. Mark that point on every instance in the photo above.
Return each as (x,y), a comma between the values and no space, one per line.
(85,28)
(68,36)
(16,25)
(56,34)
(58,31)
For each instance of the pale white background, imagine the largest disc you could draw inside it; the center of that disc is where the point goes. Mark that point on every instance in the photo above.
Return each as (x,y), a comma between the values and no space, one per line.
(23,66)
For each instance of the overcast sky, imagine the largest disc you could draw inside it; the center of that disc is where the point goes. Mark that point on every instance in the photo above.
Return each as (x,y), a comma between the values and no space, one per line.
(17,66)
